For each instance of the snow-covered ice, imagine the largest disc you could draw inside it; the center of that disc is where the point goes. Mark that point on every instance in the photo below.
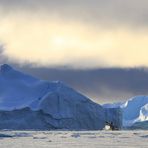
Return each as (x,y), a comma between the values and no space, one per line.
(74,139)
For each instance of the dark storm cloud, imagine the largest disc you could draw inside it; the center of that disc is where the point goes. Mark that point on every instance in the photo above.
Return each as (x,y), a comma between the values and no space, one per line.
(129,12)
(102,85)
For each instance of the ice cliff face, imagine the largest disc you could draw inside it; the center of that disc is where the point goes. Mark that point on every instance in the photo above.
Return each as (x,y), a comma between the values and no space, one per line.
(50,105)
(135,110)
(114,116)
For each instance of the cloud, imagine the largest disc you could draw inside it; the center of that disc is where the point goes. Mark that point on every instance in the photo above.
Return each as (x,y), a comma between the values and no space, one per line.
(111,12)
(78,34)
(54,43)
(102,85)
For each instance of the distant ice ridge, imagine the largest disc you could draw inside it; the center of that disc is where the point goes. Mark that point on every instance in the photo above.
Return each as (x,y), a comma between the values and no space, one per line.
(135,110)
(27,102)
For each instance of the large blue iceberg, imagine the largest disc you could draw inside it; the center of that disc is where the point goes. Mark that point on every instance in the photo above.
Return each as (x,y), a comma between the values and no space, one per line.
(29,103)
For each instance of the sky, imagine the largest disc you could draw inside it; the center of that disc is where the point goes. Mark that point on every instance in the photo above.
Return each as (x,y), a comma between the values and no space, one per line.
(76,34)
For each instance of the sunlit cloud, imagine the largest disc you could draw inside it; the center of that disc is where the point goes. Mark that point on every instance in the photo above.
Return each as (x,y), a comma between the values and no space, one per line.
(32,33)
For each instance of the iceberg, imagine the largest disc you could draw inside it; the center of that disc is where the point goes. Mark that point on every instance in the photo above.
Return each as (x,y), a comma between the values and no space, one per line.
(27,102)
(134,110)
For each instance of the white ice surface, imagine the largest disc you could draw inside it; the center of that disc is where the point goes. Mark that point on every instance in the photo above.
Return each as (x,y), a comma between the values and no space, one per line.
(73,139)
